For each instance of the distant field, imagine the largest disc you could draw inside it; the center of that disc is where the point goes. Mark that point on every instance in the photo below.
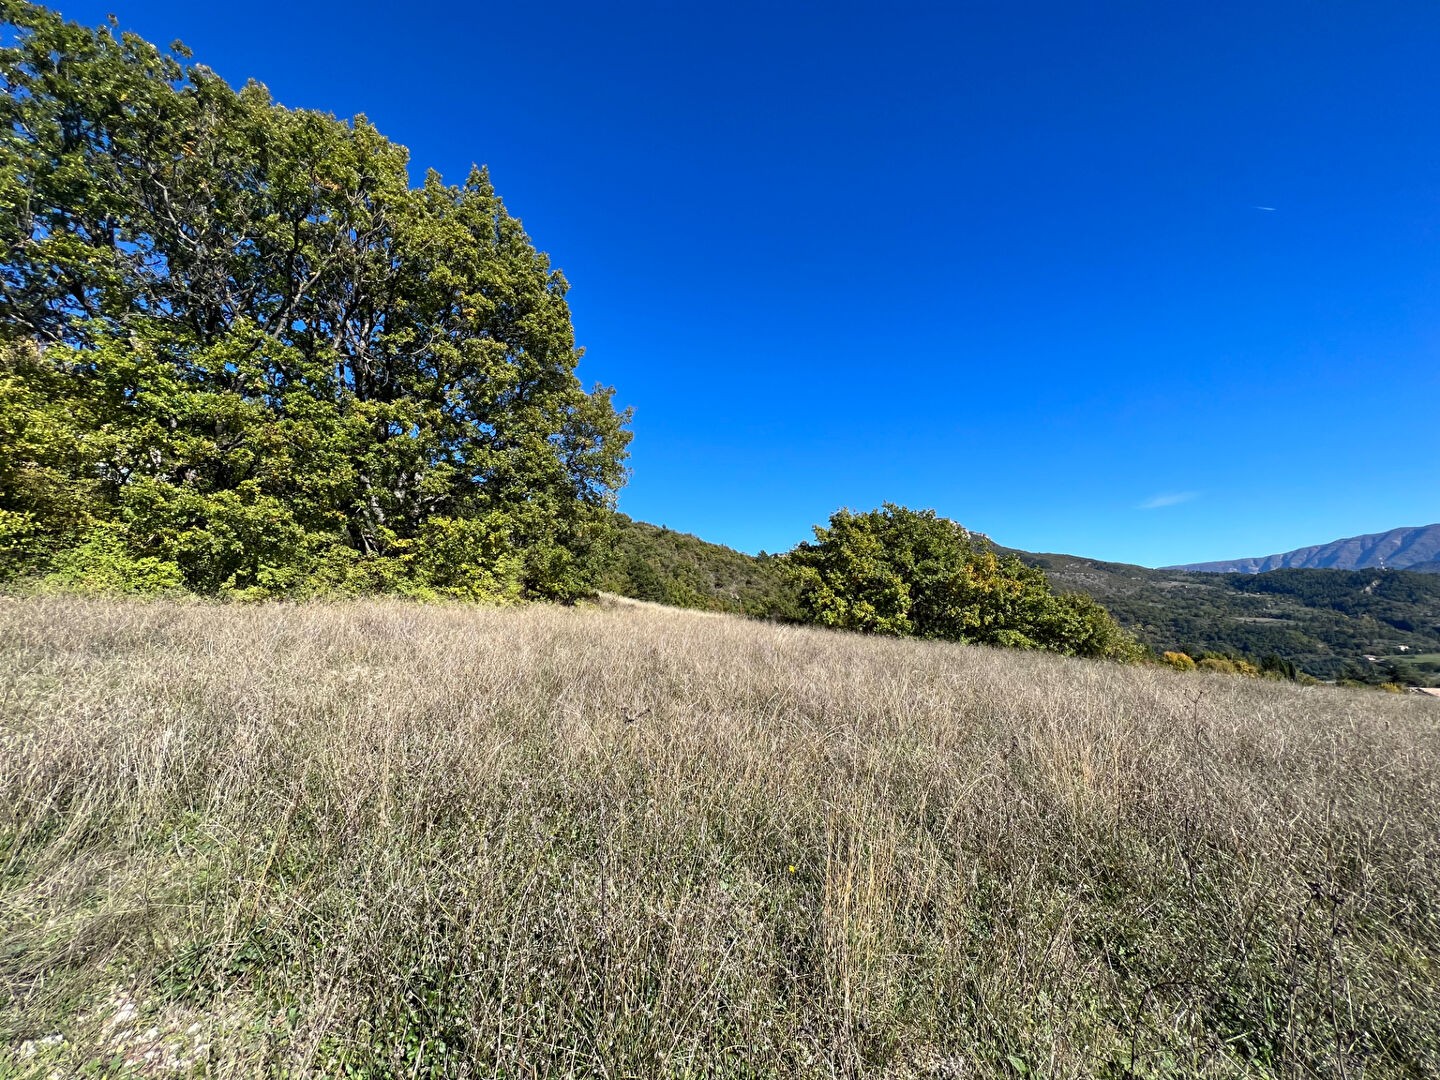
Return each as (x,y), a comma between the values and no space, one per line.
(378,839)
(1418,658)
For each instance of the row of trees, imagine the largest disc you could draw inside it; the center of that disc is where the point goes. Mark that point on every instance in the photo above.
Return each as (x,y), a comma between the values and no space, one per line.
(891,571)
(240,353)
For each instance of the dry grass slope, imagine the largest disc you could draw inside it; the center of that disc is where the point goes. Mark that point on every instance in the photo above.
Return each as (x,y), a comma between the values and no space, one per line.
(378,839)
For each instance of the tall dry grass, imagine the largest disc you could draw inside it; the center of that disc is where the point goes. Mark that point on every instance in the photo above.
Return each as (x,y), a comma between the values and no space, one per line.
(378,839)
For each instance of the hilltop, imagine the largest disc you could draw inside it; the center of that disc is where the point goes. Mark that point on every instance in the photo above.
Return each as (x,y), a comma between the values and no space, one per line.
(385,839)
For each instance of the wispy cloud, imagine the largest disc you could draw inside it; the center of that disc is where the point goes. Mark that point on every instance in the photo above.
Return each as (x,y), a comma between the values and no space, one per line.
(1174,498)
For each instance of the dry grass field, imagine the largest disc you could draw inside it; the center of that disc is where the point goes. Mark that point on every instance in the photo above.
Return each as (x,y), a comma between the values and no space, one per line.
(381,839)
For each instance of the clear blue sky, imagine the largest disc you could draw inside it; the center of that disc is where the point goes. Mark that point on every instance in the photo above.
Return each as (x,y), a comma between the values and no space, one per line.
(1002,259)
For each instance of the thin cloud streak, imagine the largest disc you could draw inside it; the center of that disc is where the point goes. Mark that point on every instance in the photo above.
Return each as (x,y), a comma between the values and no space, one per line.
(1155,502)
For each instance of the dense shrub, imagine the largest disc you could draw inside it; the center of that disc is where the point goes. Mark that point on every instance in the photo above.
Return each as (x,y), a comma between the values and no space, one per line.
(103,563)
(906,572)
(1219,665)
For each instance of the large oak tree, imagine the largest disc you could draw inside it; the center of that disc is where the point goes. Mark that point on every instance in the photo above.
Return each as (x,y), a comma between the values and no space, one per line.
(238,341)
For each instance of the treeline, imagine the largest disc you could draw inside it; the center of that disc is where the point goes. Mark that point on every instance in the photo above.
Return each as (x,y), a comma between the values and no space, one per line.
(906,572)
(241,355)
(893,571)
(1287,624)
(1326,621)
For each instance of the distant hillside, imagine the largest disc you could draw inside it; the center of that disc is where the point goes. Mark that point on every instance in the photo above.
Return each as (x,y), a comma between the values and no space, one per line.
(651,562)
(1399,549)
(1324,621)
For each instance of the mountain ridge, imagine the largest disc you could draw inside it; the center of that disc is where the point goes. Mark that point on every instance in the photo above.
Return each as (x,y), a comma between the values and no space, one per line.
(1411,547)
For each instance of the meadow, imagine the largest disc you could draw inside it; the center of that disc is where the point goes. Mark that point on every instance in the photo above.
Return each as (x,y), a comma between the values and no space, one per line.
(386,839)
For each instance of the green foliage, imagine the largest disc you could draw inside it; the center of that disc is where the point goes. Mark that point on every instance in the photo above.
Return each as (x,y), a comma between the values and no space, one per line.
(1382,670)
(470,558)
(648,562)
(1278,667)
(18,535)
(103,563)
(234,333)
(1226,665)
(903,572)
(45,500)
(851,580)
(1076,625)
(1316,620)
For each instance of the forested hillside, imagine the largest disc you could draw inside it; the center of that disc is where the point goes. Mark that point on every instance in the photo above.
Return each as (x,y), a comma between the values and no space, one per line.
(650,562)
(1324,621)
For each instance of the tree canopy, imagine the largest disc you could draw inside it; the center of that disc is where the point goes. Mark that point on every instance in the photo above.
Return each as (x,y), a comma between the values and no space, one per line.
(239,352)
(908,572)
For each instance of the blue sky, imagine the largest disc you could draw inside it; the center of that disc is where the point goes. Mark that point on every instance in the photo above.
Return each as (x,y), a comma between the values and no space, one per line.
(1007,260)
